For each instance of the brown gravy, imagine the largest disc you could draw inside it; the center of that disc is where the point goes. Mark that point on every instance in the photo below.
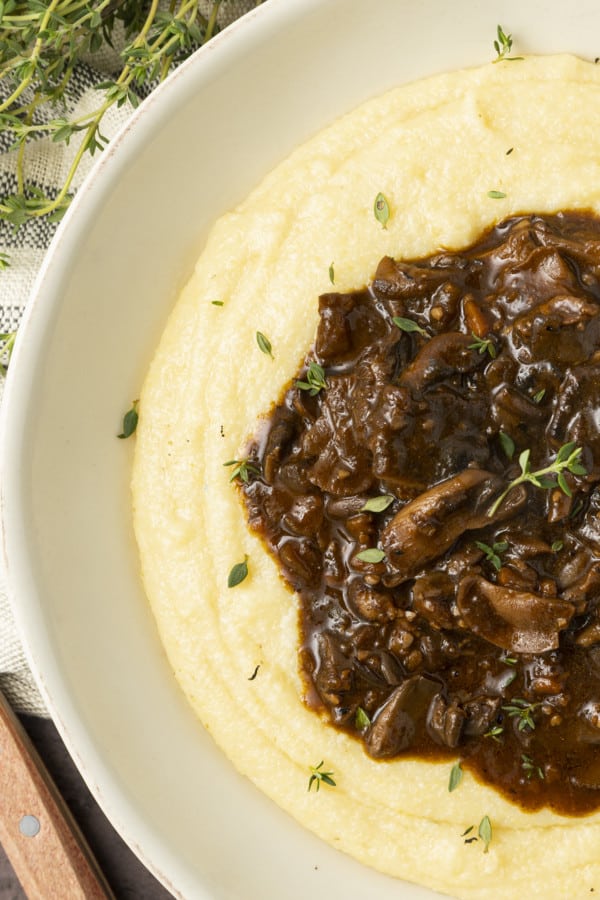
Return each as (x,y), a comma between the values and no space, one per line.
(473,630)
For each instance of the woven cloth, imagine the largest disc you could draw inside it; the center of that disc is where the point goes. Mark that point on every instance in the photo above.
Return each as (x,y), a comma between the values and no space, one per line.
(47,166)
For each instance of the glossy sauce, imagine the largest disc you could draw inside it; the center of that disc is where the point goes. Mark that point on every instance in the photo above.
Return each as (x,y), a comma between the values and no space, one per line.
(477,635)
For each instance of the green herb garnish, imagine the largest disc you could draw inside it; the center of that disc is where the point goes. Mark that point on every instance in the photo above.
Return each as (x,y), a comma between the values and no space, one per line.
(331,274)
(531,768)
(568,457)
(503,46)
(361,719)
(371,555)
(539,396)
(378,504)
(483,345)
(243,469)
(130,420)
(238,573)
(264,344)
(456,776)
(576,509)
(43,43)
(496,195)
(523,711)
(315,379)
(485,832)
(507,443)
(381,210)
(495,733)
(318,776)
(408,325)
(556,546)
(217,303)
(492,554)
(8,340)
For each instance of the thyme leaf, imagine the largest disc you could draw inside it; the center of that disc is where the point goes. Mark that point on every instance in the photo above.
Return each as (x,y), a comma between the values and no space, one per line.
(507,443)
(361,719)
(331,274)
(264,344)
(378,504)
(381,210)
(238,573)
(485,832)
(371,555)
(503,46)
(496,195)
(408,325)
(495,733)
(130,421)
(456,776)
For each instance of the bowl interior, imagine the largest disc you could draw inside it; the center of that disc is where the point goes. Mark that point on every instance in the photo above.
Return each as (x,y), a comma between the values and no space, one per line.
(194,149)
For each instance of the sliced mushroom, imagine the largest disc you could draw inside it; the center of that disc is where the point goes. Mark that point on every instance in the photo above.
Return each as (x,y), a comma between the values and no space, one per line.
(428,526)
(518,621)
(432,596)
(445,721)
(396,724)
(444,355)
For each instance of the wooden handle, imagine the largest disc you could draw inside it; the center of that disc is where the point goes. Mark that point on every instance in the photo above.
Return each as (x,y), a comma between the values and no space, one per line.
(40,837)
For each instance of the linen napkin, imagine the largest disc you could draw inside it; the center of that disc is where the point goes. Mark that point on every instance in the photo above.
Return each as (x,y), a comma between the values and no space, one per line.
(47,165)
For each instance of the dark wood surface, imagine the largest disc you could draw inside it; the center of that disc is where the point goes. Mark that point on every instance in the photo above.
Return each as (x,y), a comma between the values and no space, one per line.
(128,878)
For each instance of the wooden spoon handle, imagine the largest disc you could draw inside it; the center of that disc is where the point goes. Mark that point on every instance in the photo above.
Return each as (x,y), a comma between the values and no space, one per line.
(40,837)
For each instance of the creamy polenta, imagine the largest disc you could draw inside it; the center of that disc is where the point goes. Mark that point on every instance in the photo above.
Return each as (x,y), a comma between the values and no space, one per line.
(452,155)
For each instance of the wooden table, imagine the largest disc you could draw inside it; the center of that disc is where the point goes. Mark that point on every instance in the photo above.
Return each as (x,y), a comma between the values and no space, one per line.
(128,878)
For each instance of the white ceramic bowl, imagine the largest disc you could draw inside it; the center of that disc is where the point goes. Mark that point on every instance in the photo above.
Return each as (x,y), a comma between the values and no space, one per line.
(125,248)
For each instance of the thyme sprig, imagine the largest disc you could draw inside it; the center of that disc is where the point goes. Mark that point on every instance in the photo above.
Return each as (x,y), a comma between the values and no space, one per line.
(567,459)
(503,46)
(40,45)
(318,775)
(315,379)
(242,469)
(531,768)
(522,710)
(483,345)
(492,554)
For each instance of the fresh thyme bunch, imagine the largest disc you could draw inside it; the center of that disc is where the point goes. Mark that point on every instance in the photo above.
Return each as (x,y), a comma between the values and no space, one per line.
(40,45)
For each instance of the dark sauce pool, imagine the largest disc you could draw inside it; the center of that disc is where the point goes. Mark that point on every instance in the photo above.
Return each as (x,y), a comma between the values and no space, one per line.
(473,630)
